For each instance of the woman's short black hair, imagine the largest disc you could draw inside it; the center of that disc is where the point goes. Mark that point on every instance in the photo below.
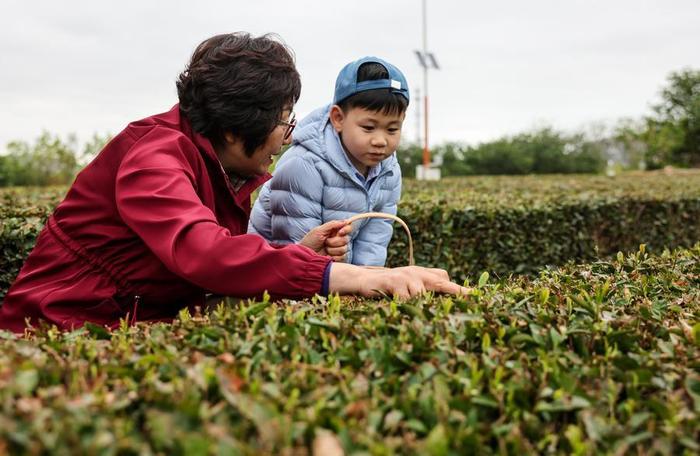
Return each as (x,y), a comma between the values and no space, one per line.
(377,100)
(238,83)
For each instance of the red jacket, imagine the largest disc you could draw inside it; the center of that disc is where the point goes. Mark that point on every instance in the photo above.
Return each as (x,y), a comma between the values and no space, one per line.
(147,228)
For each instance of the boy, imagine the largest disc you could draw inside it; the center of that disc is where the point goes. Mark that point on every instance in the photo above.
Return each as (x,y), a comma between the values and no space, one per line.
(342,162)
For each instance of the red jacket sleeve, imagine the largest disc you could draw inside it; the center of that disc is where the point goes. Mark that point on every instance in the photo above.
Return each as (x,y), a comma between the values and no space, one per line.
(156,197)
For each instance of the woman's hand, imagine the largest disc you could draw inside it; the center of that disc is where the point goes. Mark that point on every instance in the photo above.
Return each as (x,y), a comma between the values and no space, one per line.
(404,282)
(331,239)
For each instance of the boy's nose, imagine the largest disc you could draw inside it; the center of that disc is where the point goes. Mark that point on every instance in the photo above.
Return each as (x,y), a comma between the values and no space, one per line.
(379,141)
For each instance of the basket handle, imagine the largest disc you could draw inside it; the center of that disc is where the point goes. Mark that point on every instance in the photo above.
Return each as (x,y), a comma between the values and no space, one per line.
(411,261)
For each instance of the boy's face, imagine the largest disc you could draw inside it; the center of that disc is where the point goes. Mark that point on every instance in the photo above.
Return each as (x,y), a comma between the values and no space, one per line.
(368,136)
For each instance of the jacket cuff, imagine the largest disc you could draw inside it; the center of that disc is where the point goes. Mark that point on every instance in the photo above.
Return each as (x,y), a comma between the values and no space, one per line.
(326,279)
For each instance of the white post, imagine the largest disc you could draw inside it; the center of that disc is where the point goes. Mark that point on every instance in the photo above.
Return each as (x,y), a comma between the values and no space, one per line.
(426,147)
(426,59)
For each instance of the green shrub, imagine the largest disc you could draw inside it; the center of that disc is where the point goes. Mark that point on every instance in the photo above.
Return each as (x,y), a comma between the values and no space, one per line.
(600,358)
(509,225)
(504,225)
(23,213)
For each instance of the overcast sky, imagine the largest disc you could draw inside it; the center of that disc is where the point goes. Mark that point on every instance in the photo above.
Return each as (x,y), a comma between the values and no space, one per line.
(506,65)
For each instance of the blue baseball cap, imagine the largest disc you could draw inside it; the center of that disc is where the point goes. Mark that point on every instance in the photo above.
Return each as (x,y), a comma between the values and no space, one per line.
(346,85)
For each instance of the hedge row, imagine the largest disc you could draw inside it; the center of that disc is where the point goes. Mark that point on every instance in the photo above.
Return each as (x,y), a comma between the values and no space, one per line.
(509,225)
(23,212)
(599,358)
(505,225)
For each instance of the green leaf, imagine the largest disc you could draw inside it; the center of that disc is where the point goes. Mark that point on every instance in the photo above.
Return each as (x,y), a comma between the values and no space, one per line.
(392,420)
(437,444)
(26,381)
(97,331)
(411,310)
(484,401)
(416,425)
(483,278)
(485,342)
(692,386)
(256,309)
(313,321)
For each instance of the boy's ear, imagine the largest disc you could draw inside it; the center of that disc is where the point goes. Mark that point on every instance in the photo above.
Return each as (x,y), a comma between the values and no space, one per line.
(337,117)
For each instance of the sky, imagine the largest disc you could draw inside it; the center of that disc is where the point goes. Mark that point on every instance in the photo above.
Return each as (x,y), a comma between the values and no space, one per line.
(506,66)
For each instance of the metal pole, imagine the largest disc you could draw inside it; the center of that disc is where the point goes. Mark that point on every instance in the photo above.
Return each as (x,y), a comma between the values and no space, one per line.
(419,139)
(426,149)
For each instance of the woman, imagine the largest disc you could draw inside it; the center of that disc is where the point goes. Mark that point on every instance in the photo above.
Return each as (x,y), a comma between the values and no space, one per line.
(158,219)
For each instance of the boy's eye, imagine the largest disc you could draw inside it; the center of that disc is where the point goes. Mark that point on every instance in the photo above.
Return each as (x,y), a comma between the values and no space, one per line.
(393,130)
(367,127)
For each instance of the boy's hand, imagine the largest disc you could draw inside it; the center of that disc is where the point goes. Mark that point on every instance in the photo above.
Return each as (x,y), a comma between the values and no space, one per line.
(329,239)
(337,245)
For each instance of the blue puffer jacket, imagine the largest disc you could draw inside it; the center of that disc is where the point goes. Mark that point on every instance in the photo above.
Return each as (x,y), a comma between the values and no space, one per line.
(315,182)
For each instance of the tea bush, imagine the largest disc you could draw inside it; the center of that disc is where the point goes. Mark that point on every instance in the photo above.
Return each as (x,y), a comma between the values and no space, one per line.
(508,225)
(597,358)
(23,212)
(504,225)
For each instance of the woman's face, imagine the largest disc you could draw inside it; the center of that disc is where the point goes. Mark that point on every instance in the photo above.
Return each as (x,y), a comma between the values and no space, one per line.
(234,159)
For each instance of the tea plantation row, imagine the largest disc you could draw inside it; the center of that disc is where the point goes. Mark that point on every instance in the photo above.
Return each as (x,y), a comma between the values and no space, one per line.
(598,358)
(503,225)
(509,225)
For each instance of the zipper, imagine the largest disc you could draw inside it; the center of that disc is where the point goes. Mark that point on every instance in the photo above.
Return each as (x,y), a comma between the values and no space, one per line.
(137,299)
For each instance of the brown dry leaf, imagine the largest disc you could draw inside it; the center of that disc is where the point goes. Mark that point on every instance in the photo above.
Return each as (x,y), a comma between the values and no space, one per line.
(197,357)
(226,358)
(687,330)
(3,448)
(28,405)
(231,380)
(357,409)
(326,443)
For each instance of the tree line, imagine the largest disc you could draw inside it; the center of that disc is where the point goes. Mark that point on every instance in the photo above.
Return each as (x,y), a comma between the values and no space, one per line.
(541,151)
(50,160)
(670,135)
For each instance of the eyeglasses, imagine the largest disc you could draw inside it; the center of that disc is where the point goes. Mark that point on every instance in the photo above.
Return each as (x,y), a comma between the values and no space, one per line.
(291,123)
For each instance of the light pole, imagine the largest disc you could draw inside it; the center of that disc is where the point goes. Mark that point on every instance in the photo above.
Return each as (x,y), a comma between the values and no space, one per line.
(427,61)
